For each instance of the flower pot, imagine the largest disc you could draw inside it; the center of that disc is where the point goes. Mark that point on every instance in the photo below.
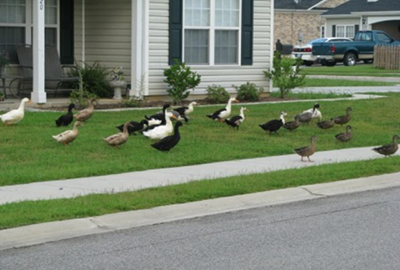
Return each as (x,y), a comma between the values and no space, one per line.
(117,85)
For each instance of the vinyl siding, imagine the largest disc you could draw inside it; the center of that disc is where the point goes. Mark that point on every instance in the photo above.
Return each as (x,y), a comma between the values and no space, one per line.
(107,33)
(225,76)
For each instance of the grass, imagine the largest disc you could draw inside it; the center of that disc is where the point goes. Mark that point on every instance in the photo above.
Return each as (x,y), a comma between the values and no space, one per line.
(357,70)
(29,154)
(32,212)
(312,82)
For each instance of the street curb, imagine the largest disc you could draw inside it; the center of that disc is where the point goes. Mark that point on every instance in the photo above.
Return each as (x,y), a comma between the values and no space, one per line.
(60,230)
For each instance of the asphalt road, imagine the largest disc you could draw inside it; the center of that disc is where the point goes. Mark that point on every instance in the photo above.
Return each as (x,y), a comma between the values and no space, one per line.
(356,231)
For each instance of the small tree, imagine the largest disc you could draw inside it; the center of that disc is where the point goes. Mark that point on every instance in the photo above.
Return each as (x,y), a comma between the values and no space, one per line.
(180,80)
(285,74)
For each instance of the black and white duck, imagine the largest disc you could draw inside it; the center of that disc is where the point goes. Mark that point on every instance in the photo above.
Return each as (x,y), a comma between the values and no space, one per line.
(236,120)
(388,149)
(308,115)
(66,119)
(275,124)
(346,136)
(316,113)
(224,113)
(184,111)
(134,126)
(161,131)
(167,143)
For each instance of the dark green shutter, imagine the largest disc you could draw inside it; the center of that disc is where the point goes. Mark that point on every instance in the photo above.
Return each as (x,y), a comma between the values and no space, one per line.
(356,29)
(334,30)
(247,32)
(175,30)
(67,32)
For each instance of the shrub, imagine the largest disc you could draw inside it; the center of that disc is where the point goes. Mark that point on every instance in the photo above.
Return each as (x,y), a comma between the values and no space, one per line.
(81,97)
(217,94)
(94,79)
(249,92)
(180,79)
(285,74)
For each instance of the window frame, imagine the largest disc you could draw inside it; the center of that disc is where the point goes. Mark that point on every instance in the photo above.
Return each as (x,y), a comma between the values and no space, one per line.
(212,28)
(28,25)
(345,26)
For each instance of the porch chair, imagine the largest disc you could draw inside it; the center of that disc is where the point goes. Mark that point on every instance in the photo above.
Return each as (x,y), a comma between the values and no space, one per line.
(56,79)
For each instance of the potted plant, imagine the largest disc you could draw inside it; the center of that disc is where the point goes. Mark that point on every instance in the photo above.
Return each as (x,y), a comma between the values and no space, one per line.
(117,82)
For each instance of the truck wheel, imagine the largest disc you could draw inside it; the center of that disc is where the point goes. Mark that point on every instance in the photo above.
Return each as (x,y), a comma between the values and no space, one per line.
(308,63)
(350,59)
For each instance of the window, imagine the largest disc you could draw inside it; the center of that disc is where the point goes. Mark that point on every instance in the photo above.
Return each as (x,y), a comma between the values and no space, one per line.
(382,37)
(16,24)
(211,32)
(345,31)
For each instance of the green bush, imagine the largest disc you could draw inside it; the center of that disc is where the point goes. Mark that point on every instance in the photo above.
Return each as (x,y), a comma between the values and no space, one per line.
(217,94)
(81,97)
(180,80)
(285,74)
(249,92)
(94,79)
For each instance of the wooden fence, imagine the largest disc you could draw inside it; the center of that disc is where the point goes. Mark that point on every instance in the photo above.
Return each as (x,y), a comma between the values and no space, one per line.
(387,56)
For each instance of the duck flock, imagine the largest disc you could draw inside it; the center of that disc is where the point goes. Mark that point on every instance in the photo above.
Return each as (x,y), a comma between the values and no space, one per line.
(159,127)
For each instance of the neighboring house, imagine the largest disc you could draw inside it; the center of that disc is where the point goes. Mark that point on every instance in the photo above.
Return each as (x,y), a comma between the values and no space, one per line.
(228,42)
(346,19)
(299,21)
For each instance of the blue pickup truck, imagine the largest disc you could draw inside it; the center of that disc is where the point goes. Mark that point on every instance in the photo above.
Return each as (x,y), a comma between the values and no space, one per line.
(361,48)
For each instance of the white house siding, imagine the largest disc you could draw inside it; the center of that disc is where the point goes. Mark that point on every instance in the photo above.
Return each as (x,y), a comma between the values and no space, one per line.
(107,33)
(225,76)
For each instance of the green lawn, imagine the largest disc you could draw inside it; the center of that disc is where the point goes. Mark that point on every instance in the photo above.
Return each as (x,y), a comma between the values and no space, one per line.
(357,70)
(314,82)
(29,153)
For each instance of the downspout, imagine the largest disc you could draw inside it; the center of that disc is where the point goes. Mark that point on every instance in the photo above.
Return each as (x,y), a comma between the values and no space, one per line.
(83,33)
(271,58)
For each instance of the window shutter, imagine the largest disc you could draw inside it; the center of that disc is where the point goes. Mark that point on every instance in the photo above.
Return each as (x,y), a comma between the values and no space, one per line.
(356,28)
(66,32)
(247,32)
(334,30)
(175,30)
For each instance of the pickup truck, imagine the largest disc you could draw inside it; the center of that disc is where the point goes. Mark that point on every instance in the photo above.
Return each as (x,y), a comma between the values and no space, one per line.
(350,52)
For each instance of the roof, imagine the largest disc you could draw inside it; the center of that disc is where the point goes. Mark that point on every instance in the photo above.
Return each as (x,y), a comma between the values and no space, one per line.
(364,6)
(291,4)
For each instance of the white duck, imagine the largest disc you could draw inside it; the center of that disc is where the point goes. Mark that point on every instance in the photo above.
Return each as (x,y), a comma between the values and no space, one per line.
(224,113)
(315,111)
(68,136)
(186,110)
(14,116)
(161,131)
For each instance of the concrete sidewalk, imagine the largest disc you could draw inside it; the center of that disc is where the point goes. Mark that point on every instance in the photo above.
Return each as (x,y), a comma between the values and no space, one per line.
(61,230)
(171,176)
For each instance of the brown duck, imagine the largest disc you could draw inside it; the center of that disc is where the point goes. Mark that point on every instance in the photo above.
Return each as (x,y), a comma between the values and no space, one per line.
(345,137)
(326,124)
(307,151)
(388,149)
(118,138)
(85,114)
(68,136)
(292,125)
(344,119)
